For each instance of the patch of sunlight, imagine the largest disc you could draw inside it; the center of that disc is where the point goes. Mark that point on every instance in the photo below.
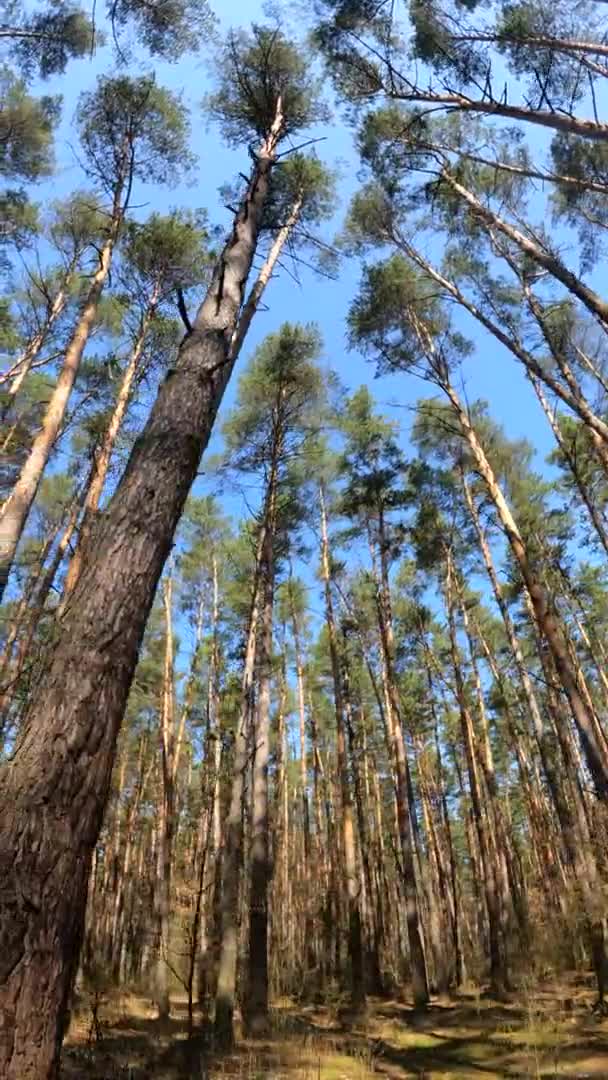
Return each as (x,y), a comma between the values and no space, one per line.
(342,1067)
(543,1036)
(473,1051)
(415,1040)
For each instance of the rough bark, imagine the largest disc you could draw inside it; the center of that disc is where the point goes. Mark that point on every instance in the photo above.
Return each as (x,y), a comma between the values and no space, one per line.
(260,862)
(54,789)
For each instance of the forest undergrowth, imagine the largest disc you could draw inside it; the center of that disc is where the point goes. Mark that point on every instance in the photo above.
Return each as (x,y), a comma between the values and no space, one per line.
(546,1030)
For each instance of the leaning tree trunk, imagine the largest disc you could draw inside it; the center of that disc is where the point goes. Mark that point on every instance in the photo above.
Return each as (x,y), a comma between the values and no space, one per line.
(19,503)
(596,752)
(54,789)
(572,462)
(21,369)
(103,455)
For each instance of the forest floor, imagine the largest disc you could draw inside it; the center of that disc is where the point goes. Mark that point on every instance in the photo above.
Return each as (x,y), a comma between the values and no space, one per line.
(547,1031)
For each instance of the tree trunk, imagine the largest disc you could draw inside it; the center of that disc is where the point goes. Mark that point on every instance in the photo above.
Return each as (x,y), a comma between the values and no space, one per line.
(498,960)
(351,883)
(225,998)
(54,789)
(166,820)
(592,301)
(104,454)
(309,935)
(23,366)
(577,402)
(258,289)
(596,752)
(585,495)
(43,588)
(18,505)
(257,990)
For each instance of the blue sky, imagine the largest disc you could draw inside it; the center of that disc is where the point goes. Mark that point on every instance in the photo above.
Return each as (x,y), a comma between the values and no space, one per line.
(489,373)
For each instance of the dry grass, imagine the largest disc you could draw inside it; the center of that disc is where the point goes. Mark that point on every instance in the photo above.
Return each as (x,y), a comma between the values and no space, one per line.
(548,1031)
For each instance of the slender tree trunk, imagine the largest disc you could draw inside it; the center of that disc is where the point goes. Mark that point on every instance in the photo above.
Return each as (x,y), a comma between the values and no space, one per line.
(419,975)
(596,752)
(575,401)
(363,817)
(168,752)
(104,454)
(586,496)
(258,289)
(54,789)
(23,366)
(503,843)
(306,899)
(17,507)
(558,121)
(491,872)
(540,255)
(225,999)
(41,594)
(459,965)
(257,990)
(351,882)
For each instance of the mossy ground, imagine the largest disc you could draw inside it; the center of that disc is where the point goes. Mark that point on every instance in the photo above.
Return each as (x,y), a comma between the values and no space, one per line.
(545,1031)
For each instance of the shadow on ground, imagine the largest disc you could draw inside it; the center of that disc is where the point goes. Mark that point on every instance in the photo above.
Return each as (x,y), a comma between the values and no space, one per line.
(549,1033)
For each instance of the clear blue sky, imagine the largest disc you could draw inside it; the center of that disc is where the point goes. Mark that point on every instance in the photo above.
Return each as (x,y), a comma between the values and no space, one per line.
(489,373)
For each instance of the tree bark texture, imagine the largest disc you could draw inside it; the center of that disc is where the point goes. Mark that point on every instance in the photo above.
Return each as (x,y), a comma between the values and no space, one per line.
(54,788)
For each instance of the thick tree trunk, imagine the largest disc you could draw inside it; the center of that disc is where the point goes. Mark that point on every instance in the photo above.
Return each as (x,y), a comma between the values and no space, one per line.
(54,789)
